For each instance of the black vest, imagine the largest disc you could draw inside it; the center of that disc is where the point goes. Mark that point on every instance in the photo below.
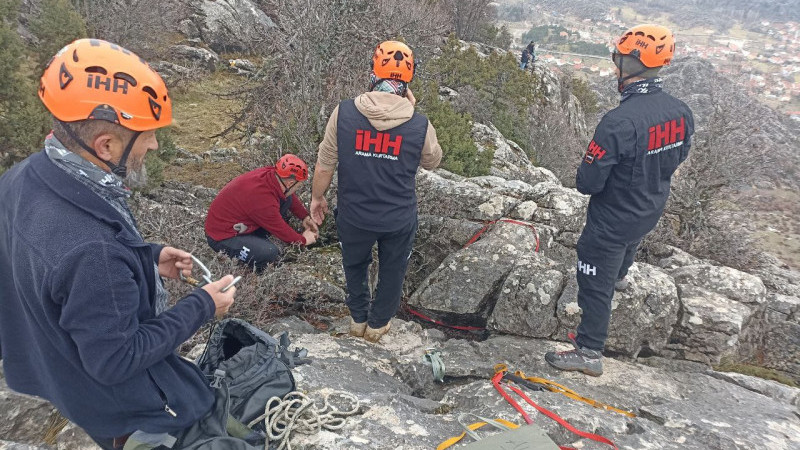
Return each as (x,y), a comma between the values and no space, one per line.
(377,170)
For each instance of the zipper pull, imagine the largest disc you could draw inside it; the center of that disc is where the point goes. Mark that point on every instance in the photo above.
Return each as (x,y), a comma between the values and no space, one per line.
(170,411)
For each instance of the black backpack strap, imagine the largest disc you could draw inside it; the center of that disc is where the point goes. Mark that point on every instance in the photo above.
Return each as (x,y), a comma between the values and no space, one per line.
(297,357)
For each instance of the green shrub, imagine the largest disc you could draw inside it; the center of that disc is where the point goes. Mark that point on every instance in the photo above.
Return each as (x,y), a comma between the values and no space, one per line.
(501,93)
(56,26)
(454,131)
(495,36)
(585,95)
(167,150)
(23,121)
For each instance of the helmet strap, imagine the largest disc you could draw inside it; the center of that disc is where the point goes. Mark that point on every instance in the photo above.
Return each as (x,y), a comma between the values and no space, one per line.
(117,169)
(121,170)
(285,189)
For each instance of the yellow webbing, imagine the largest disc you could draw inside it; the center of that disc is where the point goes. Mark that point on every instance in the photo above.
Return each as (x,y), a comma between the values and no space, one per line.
(473,426)
(557,388)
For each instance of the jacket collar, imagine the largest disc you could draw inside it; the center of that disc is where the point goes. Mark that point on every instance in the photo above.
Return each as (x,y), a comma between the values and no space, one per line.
(74,192)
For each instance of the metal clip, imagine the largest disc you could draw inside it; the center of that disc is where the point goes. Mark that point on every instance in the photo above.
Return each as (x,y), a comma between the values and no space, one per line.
(207,277)
(219,375)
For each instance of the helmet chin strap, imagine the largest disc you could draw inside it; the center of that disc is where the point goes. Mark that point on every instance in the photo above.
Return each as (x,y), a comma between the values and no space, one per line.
(621,80)
(119,169)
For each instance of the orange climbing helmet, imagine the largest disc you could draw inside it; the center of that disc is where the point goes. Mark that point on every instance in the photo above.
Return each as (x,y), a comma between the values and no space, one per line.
(652,45)
(393,60)
(290,166)
(95,79)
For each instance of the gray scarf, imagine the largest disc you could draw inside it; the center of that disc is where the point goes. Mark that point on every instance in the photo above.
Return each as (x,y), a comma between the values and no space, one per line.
(107,186)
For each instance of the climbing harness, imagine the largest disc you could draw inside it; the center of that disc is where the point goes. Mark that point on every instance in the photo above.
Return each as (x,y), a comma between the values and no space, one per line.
(433,358)
(539,384)
(511,221)
(496,382)
(296,412)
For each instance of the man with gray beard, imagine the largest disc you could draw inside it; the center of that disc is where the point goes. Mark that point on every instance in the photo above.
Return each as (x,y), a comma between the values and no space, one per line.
(84,318)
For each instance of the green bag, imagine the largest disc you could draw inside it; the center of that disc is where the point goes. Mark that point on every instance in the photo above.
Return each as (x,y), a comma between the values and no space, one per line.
(525,437)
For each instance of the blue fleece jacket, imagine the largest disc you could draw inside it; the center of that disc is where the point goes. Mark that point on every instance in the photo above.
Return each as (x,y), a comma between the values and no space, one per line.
(77,325)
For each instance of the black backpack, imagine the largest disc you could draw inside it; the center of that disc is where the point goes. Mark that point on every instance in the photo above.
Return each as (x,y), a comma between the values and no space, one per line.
(254,365)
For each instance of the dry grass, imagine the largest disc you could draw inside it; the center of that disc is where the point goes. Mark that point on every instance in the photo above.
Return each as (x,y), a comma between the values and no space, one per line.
(200,112)
(773,216)
(209,174)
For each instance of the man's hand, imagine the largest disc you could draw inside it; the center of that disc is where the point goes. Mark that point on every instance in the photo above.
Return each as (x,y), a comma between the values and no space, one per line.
(311,237)
(309,224)
(172,261)
(319,207)
(222,300)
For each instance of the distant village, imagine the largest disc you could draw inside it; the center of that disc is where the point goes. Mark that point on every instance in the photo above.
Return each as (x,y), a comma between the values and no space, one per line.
(768,68)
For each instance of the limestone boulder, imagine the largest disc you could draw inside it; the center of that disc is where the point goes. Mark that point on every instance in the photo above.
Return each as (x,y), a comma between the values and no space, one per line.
(444,197)
(528,297)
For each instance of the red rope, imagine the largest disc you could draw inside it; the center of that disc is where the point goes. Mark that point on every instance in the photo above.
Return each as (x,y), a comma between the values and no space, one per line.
(434,321)
(496,383)
(511,221)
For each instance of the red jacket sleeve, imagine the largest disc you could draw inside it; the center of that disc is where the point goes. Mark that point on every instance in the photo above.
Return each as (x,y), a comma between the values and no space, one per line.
(268,217)
(297,208)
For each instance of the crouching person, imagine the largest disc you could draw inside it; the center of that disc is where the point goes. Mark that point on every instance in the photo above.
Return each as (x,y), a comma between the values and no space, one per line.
(84,317)
(252,207)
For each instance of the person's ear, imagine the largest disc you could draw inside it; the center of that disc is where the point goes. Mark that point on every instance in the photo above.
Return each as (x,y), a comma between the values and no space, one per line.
(104,146)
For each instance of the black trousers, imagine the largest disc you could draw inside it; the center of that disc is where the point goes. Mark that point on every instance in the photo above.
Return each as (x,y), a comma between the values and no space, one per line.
(394,250)
(254,249)
(601,262)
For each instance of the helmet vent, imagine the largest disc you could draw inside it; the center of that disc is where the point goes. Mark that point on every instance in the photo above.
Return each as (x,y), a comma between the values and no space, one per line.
(75,55)
(126,77)
(150,91)
(398,56)
(97,69)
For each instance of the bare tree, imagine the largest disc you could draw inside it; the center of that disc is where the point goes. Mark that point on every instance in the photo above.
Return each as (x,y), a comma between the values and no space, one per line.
(144,26)
(321,54)
(468,16)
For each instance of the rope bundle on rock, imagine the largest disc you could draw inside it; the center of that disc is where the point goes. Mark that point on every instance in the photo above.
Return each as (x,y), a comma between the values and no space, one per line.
(297,412)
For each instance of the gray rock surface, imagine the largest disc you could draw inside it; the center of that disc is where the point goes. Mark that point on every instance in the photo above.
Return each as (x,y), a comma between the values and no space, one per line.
(200,58)
(468,281)
(709,326)
(231,25)
(527,301)
(510,162)
(772,340)
(731,283)
(458,199)
(560,207)
(402,407)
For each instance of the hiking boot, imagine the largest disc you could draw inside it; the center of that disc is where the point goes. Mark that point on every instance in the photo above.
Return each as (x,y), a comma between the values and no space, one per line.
(374,334)
(357,329)
(621,284)
(580,359)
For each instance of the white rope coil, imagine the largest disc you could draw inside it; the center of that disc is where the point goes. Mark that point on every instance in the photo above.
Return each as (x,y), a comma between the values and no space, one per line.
(297,412)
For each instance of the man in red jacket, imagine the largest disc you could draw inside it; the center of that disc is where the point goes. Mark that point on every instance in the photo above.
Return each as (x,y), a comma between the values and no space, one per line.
(252,207)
